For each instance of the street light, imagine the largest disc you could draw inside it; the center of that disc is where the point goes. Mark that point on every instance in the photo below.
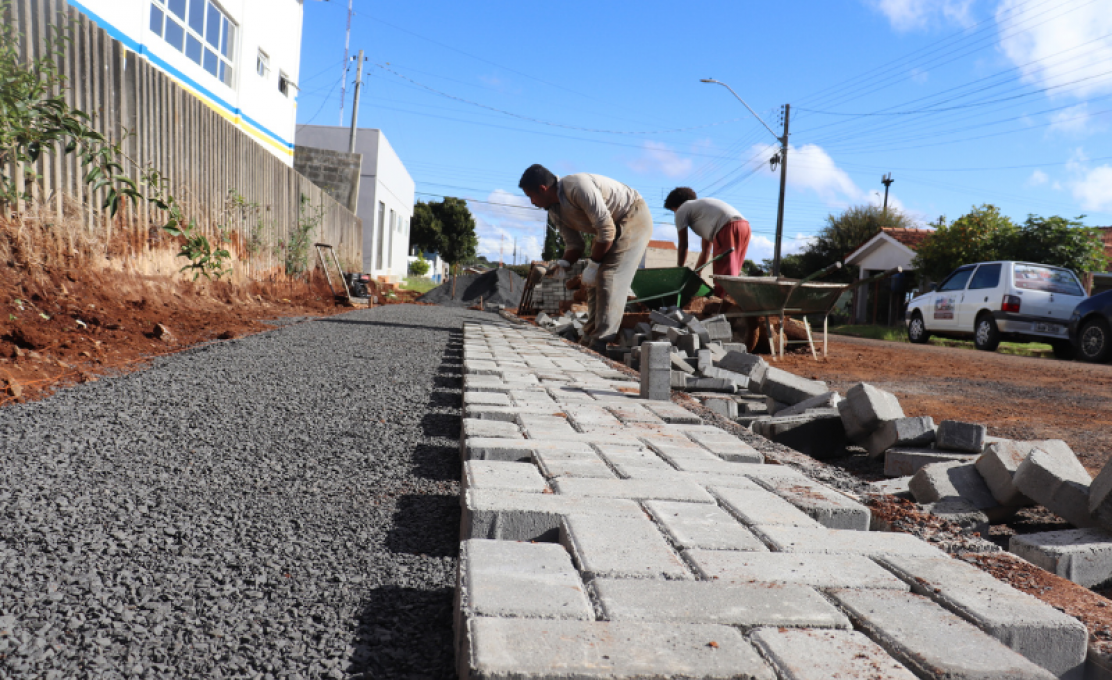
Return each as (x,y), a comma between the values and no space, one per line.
(783,159)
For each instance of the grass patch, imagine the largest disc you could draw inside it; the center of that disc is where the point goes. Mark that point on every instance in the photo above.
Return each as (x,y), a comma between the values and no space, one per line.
(899,334)
(419,284)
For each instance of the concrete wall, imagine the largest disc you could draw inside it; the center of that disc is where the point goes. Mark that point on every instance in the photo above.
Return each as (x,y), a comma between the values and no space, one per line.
(386,196)
(336,172)
(250,100)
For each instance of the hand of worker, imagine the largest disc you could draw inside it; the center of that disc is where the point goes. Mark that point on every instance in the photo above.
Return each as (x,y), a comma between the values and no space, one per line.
(590,274)
(559,269)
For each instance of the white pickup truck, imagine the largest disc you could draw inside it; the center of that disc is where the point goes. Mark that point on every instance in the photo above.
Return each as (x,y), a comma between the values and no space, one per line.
(994,301)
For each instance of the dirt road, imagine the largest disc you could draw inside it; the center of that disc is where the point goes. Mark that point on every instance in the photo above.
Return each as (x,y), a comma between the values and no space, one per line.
(1016,397)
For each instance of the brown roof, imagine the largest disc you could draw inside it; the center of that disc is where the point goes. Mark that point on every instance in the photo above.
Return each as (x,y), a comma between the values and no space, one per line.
(1106,238)
(662,245)
(909,237)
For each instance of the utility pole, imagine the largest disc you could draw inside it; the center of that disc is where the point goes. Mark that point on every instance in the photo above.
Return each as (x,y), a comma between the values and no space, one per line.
(886,180)
(347,46)
(783,186)
(355,102)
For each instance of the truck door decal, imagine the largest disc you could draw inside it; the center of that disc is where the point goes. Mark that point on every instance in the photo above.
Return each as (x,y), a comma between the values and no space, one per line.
(944,306)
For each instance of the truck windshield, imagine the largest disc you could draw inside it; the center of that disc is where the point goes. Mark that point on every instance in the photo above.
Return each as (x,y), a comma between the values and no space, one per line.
(1049,279)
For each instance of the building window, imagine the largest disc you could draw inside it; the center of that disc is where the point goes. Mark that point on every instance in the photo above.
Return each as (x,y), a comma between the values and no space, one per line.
(381,234)
(284,84)
(263,65)
(200,30)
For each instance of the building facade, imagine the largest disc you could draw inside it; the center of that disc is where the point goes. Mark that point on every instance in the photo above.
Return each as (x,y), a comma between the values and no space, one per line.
(386,196)
(241,57)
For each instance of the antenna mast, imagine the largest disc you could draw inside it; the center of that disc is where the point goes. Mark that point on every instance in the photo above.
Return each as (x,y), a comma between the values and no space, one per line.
(347,46)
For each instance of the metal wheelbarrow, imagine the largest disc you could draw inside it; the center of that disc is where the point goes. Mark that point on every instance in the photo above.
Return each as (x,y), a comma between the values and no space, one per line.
(668,286)
(768,297)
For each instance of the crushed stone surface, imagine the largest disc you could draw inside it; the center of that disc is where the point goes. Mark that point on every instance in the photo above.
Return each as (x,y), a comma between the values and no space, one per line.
(283,505)
(495,287)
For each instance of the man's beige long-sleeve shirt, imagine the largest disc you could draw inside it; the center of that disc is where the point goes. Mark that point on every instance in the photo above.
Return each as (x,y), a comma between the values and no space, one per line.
(591,204)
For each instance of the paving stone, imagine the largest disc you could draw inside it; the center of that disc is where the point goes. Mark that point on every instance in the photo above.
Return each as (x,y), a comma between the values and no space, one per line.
(790,388)
(474,427)
(809,654)
(865,408)
(703,361)
(819,433)
(689,344)
(773,474)
(1053,477)
(904,462)
(1100,497)
(496,474)
(634,413)
(546,427)
(998,466)
(665,320)
(656,371)
(680,363)
(824,400)
(626,460)
(711,385)
(699,460)
(1036,630)
(790,539)
(619,547)
(671,413)
(526,580)
(775,406)
(513,516)
(727,447)
(488,448)
(486,398)
(823,504)
(733,604)
(1083,556)
(524,649)
(938,481)
(815,570)
(740,362)
(634,489)
(954,435)
(761,507)
(484,383)
(931,641)
(695,525)
(723,405)
(555,464)
(893,487)
(962,513)
(904,432)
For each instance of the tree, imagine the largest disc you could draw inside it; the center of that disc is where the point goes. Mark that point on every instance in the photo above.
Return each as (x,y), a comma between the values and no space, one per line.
(553,245)
(982,234)
(444,227)
(842,234)
(1060,242)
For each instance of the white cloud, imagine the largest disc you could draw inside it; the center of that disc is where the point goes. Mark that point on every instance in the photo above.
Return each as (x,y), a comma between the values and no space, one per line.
(656,157)
(1037,178)
(760,248)
(1064,48)
(1094,189)
(908,15)
(920,76)
(1075,121)
(501,219)
(811,169)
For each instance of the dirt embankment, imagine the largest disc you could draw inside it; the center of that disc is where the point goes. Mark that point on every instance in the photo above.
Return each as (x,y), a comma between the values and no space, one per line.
(1016,397)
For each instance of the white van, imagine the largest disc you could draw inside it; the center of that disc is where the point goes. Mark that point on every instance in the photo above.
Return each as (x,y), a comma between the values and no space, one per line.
(994,301)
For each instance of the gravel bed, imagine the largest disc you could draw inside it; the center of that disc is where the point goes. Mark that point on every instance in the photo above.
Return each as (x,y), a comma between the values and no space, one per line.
(284,505)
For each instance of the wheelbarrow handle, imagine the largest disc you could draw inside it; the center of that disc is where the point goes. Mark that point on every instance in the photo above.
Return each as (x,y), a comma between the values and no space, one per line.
(820,273)
(878,277)
(714,259)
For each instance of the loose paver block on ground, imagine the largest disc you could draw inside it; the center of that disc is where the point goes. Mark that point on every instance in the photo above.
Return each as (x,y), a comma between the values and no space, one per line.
(905,461)
(865,408)
(1083,556)
(954,435)
(998,466)
(939,481)
(1053,477)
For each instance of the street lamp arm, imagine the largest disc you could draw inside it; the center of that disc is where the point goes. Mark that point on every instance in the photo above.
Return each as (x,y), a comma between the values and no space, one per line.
(712,80)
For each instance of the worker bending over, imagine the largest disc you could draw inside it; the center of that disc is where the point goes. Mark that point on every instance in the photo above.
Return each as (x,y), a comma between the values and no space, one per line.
(714,221)
(621,222)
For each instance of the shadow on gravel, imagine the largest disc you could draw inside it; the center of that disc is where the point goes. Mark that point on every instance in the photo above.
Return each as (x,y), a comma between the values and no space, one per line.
(425,525)
(404,633)
(442,424)
(436,463)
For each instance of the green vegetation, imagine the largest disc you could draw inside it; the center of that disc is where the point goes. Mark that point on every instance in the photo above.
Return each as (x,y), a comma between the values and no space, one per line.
(419,284)
(420,266)
(295,250)
(553,244)
(445,227)
(899,334)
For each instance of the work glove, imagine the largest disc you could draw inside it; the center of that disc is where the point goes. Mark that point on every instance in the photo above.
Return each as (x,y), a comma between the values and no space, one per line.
(590,275)
(560,270)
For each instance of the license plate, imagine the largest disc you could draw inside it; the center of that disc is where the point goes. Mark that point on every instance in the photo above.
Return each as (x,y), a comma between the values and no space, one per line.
(1054,328)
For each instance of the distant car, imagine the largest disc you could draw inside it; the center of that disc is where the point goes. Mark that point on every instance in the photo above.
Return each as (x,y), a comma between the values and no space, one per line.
(1089,328)
(994,301)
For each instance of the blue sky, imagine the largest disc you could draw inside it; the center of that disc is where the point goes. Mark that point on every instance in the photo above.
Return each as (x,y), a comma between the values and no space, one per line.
(965,102)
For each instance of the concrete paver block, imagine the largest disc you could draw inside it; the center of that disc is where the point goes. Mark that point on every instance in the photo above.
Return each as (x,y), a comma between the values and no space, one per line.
(1044,635)
(823,654)
(912,432)
(727,447)
(740,362)
(818,433)
(1100,497)
(696,525)
(1054,477)
(894,487)
(497,474)
(492,448)
(960,512)
(672,413)
(904,462)
(678,362)
(620,547)
(528,580)
(474,427)
(634,489)
(554,464)
(1083,556)
(790,388)
(931,641)
(954,435)
(865,407)
(790,539)
(656,371)
(723,405)
(823,504)
(531,650)
(815,570)
(824,400)
(938,481)
(998,466)
(761,507)
(734,604)
(487,398)
(514,516)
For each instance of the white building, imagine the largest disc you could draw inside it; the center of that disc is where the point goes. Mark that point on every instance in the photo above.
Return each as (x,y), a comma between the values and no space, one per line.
(386,196)
(241,57)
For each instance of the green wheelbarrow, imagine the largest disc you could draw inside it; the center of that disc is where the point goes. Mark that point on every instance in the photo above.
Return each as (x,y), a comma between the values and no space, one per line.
(670,286)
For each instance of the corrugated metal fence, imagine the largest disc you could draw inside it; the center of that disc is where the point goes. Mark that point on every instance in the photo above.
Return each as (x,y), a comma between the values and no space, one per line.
(204,156)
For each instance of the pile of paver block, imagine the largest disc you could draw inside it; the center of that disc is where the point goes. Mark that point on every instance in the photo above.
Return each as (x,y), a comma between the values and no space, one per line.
(608,535)
(569,326)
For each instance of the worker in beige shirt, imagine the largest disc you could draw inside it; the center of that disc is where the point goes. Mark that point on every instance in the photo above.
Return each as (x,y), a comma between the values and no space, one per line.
(621,222)
(714,222)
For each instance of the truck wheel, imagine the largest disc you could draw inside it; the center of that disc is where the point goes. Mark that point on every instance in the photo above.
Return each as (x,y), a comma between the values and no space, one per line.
(917,330)
(1095,341)
(1063,349)
(986,336)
